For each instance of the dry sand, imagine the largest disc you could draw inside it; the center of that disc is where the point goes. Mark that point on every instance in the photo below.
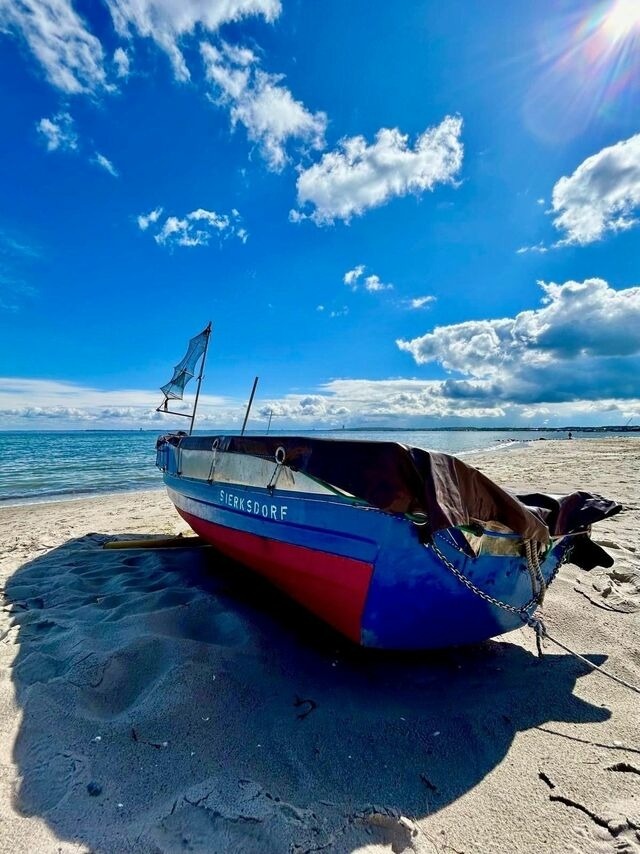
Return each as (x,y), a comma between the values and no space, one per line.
(167,701)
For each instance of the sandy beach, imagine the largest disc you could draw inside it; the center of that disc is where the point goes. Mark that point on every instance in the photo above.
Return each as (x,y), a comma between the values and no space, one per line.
(168,701)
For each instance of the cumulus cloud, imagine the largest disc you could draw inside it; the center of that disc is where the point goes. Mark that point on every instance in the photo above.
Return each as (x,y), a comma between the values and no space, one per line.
(71,56)
(351,276)
(193,229)
(168,21)
(583,343)
(358,176)
(413,402)
(304,408)
(375,402)
(106,164)
(40,403)
(355,279)
(258,101)
(58,132)
(601,196)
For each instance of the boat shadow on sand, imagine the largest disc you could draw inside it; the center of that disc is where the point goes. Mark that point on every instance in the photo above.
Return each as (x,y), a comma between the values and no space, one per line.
(172,701)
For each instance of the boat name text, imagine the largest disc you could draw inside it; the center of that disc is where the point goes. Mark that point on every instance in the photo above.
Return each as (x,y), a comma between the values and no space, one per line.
(251,505)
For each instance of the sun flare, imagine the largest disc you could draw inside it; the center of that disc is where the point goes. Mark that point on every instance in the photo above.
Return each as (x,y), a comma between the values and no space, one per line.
(623,19)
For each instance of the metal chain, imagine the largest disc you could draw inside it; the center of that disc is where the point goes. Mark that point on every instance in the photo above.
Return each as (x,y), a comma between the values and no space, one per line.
(534,622)
(523,611)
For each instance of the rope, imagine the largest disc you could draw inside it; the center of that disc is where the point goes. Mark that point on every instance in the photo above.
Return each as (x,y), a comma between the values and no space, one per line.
(538,584)
(542,634)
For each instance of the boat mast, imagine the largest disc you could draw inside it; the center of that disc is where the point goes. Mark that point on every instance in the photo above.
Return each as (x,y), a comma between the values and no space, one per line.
(204,359)
(246,415)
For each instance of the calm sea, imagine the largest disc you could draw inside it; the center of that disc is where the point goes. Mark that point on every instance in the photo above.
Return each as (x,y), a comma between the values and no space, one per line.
(49,466)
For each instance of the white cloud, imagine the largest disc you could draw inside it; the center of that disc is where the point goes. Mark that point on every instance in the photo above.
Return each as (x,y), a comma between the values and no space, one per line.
(193,229)
(106,164)
(122,62)
(39,403)
(372,283)
(168,21)
(421,302)
(358,176)
(145,220)
(16,256)
(374,402)
(71,56)
(404,402)
(602,195)
(539,248)
(257,100)
(59,132)
(351,277)
(583,343)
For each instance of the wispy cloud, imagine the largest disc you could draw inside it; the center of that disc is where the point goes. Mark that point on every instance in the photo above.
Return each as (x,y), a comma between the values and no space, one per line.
(193,229)
(122,62)
(539,248)
(601,196)
(358,176)
(373,284)
(58,132)
(16,256)
(14,293)
(106,164)
(417,303)
(145,220)
(169,21)
(70,55)
(258,100)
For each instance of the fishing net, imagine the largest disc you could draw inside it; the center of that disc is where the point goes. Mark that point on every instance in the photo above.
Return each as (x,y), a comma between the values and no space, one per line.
(186,368)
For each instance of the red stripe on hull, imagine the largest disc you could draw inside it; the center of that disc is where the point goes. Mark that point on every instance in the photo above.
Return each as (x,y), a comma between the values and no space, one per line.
(332,587)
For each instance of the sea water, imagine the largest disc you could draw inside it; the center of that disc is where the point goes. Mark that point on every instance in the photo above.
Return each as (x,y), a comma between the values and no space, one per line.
(56,465)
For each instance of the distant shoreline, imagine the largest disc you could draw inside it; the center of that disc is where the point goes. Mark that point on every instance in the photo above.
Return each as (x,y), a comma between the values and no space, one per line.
(607,428)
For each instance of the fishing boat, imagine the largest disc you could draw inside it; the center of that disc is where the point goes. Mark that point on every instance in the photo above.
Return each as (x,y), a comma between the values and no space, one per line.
(395,547)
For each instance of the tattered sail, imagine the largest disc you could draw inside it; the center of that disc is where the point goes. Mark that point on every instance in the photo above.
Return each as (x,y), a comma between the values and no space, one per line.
(186,368)
(183,372)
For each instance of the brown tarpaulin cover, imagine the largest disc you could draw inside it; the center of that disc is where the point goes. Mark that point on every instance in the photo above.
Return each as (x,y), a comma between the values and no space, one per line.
(401,479)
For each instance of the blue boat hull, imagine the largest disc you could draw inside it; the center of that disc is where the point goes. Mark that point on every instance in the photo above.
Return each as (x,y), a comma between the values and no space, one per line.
(363,570)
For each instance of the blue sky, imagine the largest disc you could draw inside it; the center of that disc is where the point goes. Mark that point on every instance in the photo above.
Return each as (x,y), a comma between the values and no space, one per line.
(423,215)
